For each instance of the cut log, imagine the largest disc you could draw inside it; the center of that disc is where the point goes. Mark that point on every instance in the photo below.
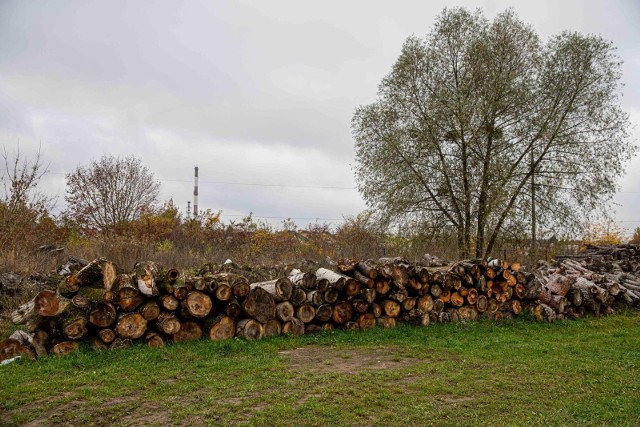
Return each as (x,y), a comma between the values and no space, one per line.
(272,328)
(233,310)
(306,281)
(293,327)
(189,331)
(330,296)
(386,322)
(98,273)
(360,306)
(280,289)
(223,292)
(11,348)
(198,304)
(150,310)
(482,303)
(284,311)
(391,308)
(342,312)
(223,329)
(120,343)
(366,321)
(425,303)
(126,294)
(169,302)
(366,270)
(260,305)
(306,313)
(382,287)
(131,326)
(298,297)
(315,298)
(107,335)
(74,323)
(167,323)
(250,329)
(153,339)
(65,347)
(103,315)
(324,313)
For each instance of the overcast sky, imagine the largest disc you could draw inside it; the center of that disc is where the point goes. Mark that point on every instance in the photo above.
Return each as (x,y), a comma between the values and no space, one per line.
(251,92)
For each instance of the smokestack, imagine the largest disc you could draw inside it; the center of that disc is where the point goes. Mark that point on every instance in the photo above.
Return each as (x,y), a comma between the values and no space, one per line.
(188,209)
(195,195)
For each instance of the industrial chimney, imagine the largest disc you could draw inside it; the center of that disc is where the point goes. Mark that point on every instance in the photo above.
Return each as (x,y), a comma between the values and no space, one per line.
(195,195)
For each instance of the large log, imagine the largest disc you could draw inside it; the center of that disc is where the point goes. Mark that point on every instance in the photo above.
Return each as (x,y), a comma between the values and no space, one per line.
(198,304)
(280,289)
(260,305)
(98,273)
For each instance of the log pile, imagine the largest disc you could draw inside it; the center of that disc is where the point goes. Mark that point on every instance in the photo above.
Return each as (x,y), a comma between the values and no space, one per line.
(96,304)
(596,282)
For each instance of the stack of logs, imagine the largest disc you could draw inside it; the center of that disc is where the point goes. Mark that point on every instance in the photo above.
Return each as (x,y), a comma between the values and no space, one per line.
(596,281)
(96,304)
(111,310)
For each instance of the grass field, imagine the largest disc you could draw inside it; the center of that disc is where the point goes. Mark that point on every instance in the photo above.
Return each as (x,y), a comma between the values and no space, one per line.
(584,372)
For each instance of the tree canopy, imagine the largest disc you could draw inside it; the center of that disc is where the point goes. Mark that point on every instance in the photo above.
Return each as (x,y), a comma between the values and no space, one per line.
(481,121)
(110,191)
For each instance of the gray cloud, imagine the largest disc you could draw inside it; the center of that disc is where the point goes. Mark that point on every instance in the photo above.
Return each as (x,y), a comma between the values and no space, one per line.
(252,92)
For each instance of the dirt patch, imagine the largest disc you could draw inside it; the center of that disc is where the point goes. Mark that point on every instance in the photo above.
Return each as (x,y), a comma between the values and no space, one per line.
(332,359)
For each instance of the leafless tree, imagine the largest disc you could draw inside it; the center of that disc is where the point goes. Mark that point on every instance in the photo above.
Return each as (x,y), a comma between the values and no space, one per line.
(110,191)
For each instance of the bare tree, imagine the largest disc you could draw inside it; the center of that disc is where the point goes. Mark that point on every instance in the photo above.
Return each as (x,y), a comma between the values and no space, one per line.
(22,205)
(110,191)
(481,121)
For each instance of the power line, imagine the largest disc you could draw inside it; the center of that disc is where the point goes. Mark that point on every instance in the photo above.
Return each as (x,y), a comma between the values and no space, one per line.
(254,184)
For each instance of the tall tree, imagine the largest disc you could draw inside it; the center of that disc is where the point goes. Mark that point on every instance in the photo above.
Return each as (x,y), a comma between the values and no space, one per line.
(110,191)
(475,110)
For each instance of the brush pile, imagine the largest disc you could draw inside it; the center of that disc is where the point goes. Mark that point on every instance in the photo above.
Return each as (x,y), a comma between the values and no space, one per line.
(94,303)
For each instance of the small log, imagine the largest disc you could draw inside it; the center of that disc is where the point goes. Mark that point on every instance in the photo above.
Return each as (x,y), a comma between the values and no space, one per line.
(294,327)
(382,287)
(425,303)
(169,302)
(391,308)
(366,270)
(103,315)
(324,313)
(386,322)
(482,303)
(306,313)
(284,311)
(233,310)
(223,292)
(150,310)
(376,309)
(153,339)
(98,273)
(298,297)
(315,298)
(167,323)
(65,347)
(107,335)
(120,343)
(331,296)
(306,281)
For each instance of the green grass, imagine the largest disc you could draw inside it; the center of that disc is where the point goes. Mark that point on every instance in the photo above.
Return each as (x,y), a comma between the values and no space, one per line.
(584,372)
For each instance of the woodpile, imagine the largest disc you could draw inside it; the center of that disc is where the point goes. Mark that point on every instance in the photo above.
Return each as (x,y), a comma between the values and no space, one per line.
(94,303)
(596,281)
